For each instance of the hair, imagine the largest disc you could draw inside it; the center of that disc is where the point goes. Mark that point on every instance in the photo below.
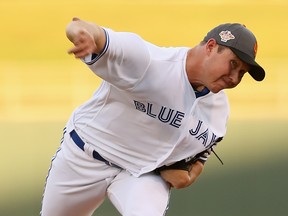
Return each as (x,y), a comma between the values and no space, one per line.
(220,47)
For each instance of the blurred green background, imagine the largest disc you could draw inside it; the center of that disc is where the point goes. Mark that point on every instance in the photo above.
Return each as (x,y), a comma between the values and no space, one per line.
(40,85)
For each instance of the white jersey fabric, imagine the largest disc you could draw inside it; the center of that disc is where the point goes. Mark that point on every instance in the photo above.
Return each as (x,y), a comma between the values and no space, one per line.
(146,114)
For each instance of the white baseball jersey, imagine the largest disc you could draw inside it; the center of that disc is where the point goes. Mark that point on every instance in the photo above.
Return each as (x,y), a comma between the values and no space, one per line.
(146,114)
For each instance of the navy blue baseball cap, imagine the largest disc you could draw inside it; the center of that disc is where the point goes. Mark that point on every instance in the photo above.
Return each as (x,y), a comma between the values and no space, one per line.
(242,42)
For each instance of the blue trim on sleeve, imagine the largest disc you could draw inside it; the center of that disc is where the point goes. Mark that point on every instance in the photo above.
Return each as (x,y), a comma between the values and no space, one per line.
(95,57)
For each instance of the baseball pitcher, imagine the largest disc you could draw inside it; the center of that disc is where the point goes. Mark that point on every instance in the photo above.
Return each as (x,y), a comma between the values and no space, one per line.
(151,124)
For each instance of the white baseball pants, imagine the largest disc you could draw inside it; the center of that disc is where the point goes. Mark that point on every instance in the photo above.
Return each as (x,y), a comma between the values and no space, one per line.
(77,185)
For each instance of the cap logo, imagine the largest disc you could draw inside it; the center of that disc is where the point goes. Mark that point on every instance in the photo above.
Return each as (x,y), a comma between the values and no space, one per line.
(226,36)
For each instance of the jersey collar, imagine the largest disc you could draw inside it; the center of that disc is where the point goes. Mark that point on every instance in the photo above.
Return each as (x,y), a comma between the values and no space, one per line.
(202,93)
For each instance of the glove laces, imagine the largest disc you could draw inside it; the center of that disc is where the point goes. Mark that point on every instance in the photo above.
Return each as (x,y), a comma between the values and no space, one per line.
(217,156)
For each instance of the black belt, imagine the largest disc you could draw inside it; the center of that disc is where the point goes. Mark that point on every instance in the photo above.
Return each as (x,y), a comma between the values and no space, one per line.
(79,142)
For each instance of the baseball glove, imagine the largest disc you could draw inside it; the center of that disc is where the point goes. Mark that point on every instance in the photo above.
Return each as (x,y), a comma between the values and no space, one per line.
(186,164)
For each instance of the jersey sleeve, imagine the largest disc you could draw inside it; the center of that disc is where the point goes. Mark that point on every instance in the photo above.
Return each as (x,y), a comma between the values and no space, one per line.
(123,61)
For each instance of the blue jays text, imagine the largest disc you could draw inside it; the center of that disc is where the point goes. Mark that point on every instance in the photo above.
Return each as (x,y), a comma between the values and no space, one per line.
(174,118)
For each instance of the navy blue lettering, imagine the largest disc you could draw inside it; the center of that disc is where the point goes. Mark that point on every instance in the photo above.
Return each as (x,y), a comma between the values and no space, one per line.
(196,131)
(213,140)
(203,136)
(165,114)
(168,116)
(176,121)
(140,106)
(149,111)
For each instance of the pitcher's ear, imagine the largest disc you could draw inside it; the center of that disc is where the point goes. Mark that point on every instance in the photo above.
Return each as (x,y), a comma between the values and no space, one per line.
(210,45)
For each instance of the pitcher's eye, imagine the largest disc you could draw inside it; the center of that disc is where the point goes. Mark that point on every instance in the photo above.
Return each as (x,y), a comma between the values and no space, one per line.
(233,64)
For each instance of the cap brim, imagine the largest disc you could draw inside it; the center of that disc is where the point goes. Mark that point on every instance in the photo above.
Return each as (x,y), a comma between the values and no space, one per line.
(256,71)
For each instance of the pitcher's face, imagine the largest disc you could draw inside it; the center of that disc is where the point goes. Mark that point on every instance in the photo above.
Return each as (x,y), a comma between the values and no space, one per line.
(223,70)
